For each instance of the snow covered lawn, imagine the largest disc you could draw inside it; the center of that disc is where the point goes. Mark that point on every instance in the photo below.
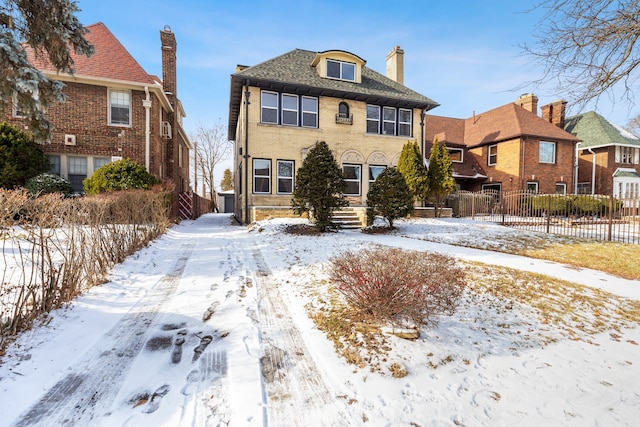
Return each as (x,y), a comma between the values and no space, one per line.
(210,325)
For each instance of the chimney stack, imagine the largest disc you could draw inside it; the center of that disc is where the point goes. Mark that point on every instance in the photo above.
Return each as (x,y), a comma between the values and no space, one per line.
(169,78)
(395,65)
(529,102)
(555,112)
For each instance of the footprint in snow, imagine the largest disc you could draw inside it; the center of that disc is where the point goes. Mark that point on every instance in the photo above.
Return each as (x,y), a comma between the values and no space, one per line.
(204,342)
(176,352)
(156,397)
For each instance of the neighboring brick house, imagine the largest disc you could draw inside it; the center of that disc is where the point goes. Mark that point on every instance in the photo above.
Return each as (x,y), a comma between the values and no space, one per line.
(114,109)
(509,148)
(280,108)
(608,156)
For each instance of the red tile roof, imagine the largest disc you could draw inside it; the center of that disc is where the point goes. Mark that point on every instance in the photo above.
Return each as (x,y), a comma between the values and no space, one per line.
(111,59)
(500,124)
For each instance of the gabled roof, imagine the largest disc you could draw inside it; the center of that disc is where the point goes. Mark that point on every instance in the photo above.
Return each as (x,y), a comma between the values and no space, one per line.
(596,131)
(294,73)
(110,61)
(507,122)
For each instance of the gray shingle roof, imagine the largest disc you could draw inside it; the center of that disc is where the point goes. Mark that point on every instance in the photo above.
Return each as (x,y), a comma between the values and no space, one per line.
(293,72)
(595,131)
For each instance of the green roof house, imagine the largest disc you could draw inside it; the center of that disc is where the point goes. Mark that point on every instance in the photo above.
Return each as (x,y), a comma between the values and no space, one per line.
(608,156)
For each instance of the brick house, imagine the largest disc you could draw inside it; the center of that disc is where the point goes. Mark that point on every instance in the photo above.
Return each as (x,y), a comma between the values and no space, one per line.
(114,109)
(608,156)
(280,108)
(509,148)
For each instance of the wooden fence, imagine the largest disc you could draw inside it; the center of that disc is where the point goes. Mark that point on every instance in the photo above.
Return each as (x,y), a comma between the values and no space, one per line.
(598,217)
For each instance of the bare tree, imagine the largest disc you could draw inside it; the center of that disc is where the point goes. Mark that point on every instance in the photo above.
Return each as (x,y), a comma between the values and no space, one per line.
(212,148)
(51,29)
(588,48)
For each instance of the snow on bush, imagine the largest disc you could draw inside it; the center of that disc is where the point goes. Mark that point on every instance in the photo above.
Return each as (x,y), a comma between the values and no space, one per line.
(398,286)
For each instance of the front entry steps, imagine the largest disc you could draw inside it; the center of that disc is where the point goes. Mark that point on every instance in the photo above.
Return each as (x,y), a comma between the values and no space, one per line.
(347,219)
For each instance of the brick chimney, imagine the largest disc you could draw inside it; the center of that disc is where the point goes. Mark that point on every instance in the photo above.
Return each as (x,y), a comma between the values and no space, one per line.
(555,113)
(169,79)
(529,102)
(395,65)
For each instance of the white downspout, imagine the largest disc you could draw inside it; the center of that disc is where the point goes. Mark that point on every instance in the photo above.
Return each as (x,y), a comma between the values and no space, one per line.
(146,103)
(593,171)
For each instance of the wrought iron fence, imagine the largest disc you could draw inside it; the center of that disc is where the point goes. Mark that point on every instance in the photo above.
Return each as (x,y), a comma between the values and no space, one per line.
(598,217)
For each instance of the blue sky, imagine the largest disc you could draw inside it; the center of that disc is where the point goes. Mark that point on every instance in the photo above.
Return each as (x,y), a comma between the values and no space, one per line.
(462,54)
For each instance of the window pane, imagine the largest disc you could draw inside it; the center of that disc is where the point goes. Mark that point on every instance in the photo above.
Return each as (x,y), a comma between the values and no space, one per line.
(372,127)
(455,154)
(98,162)
(285,169)
(404,130)
(389,114)
(285,185)
(269,116)
(261,185)
(119,105)
(310,120)
(261,167)
(348,71)
(351,172)
(269,100)
(77,165)
(289,117)
(373,112)
(290,102)
(333,69)
(405,116)
(389,128)
(54,164)
(547,152)
(374,171)
(309,104)
(353,188)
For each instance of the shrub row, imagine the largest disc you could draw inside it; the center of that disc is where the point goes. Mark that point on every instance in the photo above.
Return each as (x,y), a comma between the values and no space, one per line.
(56,247)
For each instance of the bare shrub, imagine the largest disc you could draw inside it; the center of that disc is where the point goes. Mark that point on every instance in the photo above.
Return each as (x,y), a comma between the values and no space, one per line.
(54,248)
(398,286)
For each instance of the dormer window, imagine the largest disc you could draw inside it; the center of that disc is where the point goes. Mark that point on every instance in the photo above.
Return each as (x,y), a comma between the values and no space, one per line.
(339,65)
(341,70)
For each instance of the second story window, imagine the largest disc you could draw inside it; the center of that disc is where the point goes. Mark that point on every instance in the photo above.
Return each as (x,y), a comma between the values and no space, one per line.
(455,154)
(288,109)
(547,152)
(394,121)
(341,70)
(119,108)
(492,157)
(626,155)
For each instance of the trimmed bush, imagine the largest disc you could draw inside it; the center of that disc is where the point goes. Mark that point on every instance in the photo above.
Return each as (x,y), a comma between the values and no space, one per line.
(389,196)
(20,157)
(123,174)
(392,285)
(46,183)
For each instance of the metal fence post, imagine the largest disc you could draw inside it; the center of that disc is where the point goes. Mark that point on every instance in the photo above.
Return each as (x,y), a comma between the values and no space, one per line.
(610,218)
(548,212)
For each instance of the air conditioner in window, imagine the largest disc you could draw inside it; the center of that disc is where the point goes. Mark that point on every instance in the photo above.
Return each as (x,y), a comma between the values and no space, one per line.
(69,140)
(165,130)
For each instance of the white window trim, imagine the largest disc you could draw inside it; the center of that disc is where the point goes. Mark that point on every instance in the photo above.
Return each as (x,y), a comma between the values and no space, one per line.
(405,123)
(494,155)
(276,108)
(342,64)
(315,113)
(268,177)
(289,178)
(378,120)
(395,120)
(109,107)
(296,110)
(554,152)
(358,180)
(533,184)
(375,166)
(562,184)
(460,150)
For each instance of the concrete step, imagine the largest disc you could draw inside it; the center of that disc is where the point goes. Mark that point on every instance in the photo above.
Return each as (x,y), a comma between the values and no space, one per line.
(346,219)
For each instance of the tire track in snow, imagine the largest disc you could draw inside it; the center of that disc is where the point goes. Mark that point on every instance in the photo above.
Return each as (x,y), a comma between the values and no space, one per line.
(85,393)
(295,390)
